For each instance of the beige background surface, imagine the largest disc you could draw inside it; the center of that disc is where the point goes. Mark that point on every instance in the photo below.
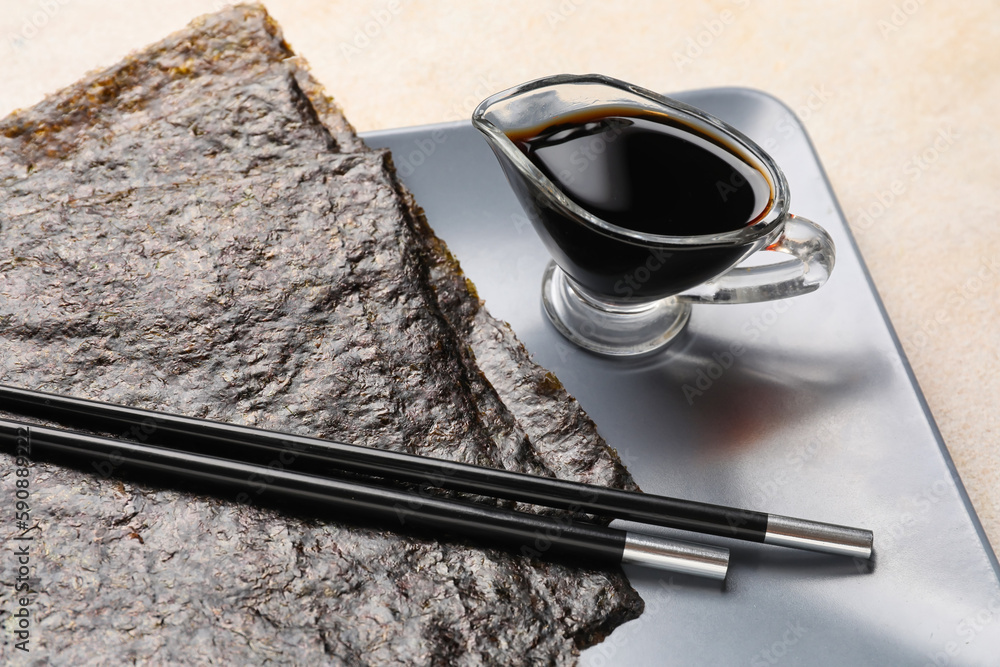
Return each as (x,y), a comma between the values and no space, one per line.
(900,98)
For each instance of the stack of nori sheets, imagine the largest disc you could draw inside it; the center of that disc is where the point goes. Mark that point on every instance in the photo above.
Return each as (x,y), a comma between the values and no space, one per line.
(197,229)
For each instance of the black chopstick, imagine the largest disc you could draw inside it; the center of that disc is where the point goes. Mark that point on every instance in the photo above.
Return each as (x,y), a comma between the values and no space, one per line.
(309,454)
(349,501)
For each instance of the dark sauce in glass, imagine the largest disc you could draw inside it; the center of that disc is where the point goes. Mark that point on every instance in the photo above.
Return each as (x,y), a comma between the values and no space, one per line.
(641,171)
(646,172)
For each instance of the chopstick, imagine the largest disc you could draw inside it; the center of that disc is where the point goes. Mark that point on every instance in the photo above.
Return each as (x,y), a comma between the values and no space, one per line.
(310,454)
(348,500)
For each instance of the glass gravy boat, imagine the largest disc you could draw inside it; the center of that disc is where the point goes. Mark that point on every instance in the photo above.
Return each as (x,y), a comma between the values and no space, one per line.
(620,291)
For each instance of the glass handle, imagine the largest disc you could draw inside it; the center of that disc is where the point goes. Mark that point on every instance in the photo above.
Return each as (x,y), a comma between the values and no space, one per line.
(804,240)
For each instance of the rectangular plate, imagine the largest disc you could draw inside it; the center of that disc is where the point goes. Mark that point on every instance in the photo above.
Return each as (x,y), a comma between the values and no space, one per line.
(805,407)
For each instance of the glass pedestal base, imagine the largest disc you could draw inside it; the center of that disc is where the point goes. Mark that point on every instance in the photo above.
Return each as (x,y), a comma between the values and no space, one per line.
(607,327)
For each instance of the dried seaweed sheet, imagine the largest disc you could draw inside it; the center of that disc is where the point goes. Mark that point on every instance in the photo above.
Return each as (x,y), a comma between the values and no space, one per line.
(181,232)
(562,434)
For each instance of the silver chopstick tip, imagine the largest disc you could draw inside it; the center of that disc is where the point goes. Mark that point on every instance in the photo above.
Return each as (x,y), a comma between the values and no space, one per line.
(683,557)
(815,536)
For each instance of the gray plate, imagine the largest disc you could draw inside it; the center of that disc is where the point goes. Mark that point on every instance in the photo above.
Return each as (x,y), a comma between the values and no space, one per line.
(818,416)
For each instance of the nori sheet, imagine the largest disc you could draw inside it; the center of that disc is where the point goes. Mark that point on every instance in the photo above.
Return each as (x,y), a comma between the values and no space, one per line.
(181,232)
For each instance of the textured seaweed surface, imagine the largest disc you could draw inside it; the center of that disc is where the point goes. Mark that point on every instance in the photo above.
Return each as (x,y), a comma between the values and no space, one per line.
(198,229)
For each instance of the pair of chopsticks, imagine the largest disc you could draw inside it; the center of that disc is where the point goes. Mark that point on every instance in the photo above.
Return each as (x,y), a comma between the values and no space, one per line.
(281,466)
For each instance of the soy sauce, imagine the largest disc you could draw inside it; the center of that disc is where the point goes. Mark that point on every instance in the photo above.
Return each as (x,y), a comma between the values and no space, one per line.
(647,172)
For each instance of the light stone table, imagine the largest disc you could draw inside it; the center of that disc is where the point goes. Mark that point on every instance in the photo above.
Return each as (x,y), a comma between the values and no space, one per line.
(899,97)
